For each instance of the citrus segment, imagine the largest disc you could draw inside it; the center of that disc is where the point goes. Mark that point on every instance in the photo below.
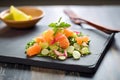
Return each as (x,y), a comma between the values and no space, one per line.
(68,33)
(62,39)
(19,15)
(33,50)
(79,40)
(8,16)
(85,39)
(48,35)
(39,39)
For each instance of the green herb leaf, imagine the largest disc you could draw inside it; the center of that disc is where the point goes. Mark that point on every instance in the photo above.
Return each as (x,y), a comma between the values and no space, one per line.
(59,25)
(59,19)
(64,25)
(52,25)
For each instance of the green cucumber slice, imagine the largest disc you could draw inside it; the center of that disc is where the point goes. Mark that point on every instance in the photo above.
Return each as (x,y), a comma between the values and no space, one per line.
(70,49)
(76,55)
(76,46)
(85,50)
(61,57)
(45,52)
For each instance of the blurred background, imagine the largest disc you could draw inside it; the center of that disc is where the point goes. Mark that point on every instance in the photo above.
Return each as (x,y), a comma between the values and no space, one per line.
(58,2)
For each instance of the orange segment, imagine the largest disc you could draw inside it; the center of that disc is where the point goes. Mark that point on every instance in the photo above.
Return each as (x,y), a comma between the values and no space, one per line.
(85,39)
(68,33)
(39,39)
(79,40)
(48,35)
(62,39)
(33,50)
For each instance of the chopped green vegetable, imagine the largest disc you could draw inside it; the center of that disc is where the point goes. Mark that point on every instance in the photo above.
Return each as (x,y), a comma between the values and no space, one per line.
(72,40)
(53,47)
(52,54)
(29,44)
(44,45)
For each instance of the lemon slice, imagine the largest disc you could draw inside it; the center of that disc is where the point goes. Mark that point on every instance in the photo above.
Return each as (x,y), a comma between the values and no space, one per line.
(19,15)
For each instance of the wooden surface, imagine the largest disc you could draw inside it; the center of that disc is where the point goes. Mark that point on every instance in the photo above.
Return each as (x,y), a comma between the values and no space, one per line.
(110,66)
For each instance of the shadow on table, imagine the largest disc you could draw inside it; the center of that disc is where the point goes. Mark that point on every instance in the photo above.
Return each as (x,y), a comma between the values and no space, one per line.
(117,43)
(7,32)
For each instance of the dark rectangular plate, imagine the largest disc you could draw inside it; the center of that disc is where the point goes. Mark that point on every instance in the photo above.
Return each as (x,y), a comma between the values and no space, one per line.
(12,49)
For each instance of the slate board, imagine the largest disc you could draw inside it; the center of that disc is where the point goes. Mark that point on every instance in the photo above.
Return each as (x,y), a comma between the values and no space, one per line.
(13,41)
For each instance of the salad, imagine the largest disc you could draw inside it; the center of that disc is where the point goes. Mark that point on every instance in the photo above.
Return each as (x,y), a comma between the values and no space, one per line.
(59,42)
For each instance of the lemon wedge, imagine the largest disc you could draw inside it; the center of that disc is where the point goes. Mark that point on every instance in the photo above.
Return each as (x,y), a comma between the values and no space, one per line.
(19,15)
(8,16)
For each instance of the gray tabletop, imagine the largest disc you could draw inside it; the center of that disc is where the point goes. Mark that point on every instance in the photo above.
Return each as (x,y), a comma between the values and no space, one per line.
(110,66)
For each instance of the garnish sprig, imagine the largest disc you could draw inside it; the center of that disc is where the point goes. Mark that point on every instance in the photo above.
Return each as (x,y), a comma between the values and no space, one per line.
(56,26)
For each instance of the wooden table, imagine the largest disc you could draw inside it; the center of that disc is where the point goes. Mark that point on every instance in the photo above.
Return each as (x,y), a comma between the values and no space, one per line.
(110,66)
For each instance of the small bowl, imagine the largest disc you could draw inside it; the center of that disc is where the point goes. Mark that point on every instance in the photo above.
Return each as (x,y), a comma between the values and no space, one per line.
(37,14)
